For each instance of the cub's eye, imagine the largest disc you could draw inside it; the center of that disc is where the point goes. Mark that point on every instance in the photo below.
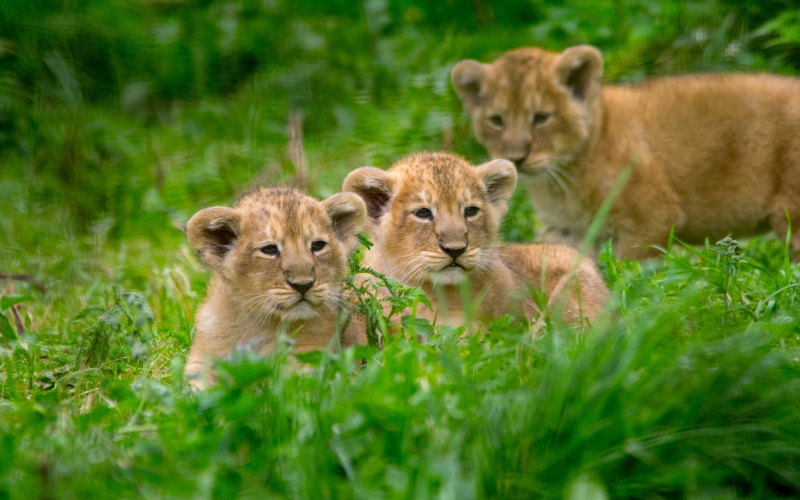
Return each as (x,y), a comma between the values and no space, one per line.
(317,246)
(423,213)
(271,250)
(496,120)
(470,211)
(541,118)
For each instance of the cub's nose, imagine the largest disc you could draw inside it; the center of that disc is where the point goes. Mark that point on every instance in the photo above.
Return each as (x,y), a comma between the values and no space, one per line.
(302,287)
(453,252)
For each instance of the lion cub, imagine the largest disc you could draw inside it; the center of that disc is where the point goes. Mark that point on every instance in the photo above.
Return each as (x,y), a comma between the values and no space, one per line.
(434,220)
(712,154)
(279,258)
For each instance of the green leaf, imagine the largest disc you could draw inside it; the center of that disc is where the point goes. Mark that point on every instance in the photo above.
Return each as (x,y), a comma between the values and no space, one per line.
(6,454)
(7,332)
(246,368)
(364,352)
(311,357)
(7,301)
(417,295)
(363,238)
(112,317)
(421,327)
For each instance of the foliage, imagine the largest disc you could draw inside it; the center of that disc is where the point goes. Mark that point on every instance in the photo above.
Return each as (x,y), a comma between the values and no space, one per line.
(120,118)
(684,391)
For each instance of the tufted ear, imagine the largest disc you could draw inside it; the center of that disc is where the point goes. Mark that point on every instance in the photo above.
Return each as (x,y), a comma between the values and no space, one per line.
(467,77)
(348,213)
(213,232)
(374,186)
(579,69)
(500,179)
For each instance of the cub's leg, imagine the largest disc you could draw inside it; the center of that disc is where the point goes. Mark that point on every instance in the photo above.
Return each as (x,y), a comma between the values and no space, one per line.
(644,216)
(787,200)
(632,245)
(356,332)
(198,370)
(780,225)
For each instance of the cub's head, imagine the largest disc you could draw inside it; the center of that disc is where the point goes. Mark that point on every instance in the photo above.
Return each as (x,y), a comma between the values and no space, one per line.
(531,106)
(282,254)
(433,215)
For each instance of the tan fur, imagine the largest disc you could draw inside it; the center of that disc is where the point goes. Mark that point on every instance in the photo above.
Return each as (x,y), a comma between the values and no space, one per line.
(561,268)
(250,301)
(713,154)
(411,248)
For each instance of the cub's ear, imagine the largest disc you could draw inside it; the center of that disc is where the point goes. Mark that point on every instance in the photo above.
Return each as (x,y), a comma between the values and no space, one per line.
(467,77)
(500,179)
(212,232)
(374,186)
(579,69)
(347,213)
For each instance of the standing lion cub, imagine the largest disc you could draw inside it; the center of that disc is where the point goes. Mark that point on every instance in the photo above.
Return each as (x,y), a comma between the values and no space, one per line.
(279,259)
(711,154)
(434,220)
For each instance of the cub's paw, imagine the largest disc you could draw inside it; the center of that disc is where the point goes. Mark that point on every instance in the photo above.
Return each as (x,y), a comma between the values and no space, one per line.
(199,381)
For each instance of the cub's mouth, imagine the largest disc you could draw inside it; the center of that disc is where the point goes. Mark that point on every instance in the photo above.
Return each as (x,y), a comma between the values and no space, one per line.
(301,309)
(451,274)
(299,302)
(302,301)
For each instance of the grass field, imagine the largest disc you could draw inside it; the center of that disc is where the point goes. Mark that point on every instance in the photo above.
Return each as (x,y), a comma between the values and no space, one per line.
(120,119)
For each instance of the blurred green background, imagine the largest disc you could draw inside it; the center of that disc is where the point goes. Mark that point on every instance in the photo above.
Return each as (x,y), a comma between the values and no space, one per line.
(118,118)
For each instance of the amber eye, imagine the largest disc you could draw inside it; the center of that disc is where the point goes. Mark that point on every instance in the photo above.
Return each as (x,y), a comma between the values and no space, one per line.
(271,250)
(470,211)
(423,213)
(541,118)
(318,245)
(496,120)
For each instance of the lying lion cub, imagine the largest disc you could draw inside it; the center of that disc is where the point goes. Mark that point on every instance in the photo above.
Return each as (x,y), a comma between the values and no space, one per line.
(712,154)
(434,220)
(279,258)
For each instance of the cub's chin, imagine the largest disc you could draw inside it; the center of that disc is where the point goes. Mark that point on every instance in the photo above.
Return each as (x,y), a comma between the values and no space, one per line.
(299,311)
(448,276)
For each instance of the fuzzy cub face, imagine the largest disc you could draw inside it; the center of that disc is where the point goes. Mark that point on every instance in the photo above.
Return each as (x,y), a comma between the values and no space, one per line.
(531,106)
(282,254)
(434,216)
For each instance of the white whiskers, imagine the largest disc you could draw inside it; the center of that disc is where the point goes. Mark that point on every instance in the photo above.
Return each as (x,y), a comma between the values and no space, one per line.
(554,169)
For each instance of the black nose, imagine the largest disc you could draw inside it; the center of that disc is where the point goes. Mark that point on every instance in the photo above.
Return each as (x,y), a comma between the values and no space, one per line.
(302,287)
(453,252)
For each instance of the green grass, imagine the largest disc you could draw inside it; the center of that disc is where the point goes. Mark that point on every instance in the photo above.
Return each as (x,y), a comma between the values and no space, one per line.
(690,387)
(690,391)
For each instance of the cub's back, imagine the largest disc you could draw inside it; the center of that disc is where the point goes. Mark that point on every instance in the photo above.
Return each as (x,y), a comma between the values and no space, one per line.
(722,142)
(709,109)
